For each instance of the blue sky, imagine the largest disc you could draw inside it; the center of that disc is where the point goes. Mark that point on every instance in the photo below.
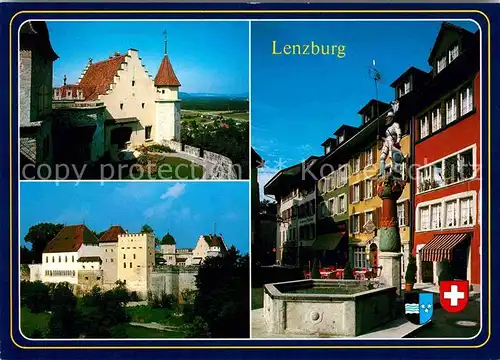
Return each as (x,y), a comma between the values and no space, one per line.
(207,56)
(187,210)
(299,101)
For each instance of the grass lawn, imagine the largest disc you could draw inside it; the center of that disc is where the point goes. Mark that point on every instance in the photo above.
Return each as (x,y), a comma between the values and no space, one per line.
(31,322)
(257,298)
(137,332)
(146,314)
(242,116)
(172,168)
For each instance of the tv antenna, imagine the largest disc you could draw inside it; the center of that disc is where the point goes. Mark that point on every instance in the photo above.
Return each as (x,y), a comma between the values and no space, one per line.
(375,75)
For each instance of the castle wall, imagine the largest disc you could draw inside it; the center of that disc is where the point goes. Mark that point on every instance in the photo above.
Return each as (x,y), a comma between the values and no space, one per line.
(173,281)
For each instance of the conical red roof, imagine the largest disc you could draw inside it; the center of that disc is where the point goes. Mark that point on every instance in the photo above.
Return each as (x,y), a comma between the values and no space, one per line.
(166,75)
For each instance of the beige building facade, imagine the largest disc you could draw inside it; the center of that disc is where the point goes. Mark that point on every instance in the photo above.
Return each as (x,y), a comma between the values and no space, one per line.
(135,261)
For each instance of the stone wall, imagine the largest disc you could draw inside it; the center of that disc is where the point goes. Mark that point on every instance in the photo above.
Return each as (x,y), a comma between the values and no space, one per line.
(217,166)
(173,281)
(87,279)
(191,150)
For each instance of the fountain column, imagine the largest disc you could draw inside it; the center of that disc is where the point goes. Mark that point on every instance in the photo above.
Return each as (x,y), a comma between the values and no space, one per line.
(389,189)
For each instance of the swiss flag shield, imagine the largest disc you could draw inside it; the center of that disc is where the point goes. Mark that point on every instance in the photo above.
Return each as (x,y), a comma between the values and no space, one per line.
(454,295)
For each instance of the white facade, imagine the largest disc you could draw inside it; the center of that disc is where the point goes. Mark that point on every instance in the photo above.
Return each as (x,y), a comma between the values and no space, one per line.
(64,266)
(168,114)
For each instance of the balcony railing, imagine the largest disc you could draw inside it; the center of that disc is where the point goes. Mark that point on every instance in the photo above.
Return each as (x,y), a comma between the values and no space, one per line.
(76,105)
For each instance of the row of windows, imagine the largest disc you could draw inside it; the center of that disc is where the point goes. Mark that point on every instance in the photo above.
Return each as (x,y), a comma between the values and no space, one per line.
(111,250)
(125,256)
(143,105)
(333,206)
(335,179)
(460,103)
(363,160)
(59,272)
(449,170)
(447,58)
(447,214)
(307,232)
(130,265)
(363,190)
(60,259)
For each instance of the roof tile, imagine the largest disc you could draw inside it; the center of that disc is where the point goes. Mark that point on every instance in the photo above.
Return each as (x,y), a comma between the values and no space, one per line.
(70,239)
(166,75)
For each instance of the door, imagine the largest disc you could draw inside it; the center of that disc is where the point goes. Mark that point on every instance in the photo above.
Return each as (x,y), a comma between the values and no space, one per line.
(459,262)
(427,271)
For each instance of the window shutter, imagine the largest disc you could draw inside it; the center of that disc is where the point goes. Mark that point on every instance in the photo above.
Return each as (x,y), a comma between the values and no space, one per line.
(375,217)
(378,215)
(375,153)
(350,225)
(361,190)
(351,167)
(361,221)
(374,187)
(406,208)
(351,193)
(362,161)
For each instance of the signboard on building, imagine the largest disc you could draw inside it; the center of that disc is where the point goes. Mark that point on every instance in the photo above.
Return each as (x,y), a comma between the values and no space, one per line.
(369,227)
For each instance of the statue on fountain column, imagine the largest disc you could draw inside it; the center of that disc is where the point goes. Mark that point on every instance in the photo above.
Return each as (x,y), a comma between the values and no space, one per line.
(392,144)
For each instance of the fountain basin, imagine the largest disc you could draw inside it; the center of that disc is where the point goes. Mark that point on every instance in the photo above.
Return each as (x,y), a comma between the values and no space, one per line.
(342,308)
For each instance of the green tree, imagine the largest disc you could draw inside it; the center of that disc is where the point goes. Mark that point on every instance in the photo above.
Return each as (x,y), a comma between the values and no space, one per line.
(99,312)
(147,229)
(39,236)
(222,300)
(63,322)
(27,256)
(168,239)
(35,296)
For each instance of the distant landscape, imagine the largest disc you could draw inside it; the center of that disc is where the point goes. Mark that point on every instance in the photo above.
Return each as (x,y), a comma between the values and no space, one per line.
(214,102)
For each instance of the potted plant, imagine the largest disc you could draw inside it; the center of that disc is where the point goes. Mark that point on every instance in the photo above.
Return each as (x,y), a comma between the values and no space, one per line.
(411,274)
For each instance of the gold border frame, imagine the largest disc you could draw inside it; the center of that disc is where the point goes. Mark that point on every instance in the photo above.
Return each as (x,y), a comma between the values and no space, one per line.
(186,347)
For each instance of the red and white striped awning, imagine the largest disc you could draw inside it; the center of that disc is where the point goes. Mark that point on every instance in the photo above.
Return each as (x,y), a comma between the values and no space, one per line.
(441,246)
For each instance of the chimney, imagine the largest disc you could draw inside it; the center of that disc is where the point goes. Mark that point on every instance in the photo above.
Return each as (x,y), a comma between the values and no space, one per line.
(117,53)
(64,79)
(90,60)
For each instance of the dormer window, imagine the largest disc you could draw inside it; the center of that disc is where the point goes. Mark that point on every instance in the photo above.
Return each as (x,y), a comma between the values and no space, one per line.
(453,53)
(327,149)
(366,118)
(68,93)
(341,138)
(441,64)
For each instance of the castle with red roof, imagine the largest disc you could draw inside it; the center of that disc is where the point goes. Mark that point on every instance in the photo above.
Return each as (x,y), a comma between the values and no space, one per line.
(137,107)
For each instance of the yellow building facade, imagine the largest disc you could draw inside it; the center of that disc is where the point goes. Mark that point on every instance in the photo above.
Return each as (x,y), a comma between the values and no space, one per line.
(365,206)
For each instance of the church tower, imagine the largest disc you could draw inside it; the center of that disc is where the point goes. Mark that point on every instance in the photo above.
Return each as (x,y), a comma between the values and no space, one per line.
(168,104)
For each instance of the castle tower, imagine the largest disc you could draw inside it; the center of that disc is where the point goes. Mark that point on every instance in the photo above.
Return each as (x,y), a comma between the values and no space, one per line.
(168,107)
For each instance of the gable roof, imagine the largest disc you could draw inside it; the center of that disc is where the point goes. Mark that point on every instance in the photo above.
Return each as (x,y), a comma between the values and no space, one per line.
(214,240)
(410,70)
(166,75)
(70,239)
(99,76)
(382,106)
(445,26)
(111,235)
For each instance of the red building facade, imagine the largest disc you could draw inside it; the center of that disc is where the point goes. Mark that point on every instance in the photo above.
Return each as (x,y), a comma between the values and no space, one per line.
(447,138)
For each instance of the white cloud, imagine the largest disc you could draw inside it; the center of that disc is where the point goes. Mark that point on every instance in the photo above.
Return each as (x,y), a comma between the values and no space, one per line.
(159,210)
(174,191)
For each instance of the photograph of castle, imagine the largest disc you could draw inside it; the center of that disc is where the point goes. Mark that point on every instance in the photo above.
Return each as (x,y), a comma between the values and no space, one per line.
(149,100)
(164,264)
(374,191)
